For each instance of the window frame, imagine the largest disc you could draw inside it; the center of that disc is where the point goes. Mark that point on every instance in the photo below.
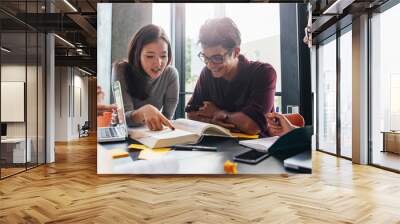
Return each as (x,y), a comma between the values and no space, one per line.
(328,36)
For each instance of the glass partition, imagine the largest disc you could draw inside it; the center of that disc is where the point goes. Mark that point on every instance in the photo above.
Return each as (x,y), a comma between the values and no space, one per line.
(22,79)
(385,89)
(327,96)
(13,86)
(346,94)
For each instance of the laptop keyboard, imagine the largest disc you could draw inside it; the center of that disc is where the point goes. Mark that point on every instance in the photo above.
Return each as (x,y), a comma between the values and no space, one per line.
(110,132)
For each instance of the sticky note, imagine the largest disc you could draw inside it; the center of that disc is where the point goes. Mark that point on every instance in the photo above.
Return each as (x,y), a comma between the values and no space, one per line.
(230,167)
(137,146)
(117,155)
(148,154)
(242,135)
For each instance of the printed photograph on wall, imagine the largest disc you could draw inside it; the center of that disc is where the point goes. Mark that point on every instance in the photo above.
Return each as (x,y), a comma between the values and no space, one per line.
(195,88)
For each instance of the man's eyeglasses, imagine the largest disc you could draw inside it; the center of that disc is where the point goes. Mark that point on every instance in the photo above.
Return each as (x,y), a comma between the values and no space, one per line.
(216,59)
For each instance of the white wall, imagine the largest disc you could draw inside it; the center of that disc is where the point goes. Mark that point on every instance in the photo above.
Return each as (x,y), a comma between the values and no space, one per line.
(104,27)
(12,73)
(71,102)
(80,110)
(61,103)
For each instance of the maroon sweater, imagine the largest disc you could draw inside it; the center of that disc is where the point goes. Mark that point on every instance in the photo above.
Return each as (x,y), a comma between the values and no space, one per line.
(251,91)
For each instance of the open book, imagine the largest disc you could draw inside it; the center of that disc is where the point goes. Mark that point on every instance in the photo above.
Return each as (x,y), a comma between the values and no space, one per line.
(261,144)
(186,132)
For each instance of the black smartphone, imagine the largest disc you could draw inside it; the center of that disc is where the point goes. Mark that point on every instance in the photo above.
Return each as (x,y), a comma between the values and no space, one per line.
(252,156)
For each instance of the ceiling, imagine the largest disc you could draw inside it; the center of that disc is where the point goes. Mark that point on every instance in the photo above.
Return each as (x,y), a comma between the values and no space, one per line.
(76,25)
(329,15)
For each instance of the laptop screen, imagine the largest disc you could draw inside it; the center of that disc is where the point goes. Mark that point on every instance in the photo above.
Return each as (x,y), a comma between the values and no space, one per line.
(119,102)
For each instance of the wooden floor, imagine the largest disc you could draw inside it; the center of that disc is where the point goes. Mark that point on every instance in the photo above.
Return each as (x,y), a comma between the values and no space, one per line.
(386,159)
(70,191)
(10,171)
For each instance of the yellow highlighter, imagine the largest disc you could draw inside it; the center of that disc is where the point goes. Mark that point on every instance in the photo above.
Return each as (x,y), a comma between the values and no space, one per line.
(242,135)
(117,155)
(137,146)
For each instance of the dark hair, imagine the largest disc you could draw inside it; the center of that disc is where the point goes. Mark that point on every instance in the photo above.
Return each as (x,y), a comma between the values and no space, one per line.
(146,35)
(136,81)
(135,77)
(219,31)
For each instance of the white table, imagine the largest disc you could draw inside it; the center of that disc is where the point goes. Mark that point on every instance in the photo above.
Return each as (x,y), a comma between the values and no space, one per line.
(18,149)
(183,162)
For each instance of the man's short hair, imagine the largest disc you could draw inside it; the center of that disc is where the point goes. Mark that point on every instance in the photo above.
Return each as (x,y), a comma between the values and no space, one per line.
(219,31)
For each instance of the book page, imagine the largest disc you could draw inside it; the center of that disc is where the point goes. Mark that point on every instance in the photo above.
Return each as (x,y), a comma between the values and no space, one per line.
(217,131)
(196,127)
(186,132)
(144,132)
(162,138)
(201,128)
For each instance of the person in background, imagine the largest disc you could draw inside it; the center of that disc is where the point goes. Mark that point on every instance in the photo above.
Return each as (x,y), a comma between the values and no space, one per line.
(149,84)
(101,107)
(231,91)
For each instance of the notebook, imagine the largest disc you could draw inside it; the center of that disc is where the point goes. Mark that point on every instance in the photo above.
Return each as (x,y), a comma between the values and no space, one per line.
(261,144)
(117,132)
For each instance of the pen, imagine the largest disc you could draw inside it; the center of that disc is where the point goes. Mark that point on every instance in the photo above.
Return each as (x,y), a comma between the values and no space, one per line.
(195,148)
(276,120)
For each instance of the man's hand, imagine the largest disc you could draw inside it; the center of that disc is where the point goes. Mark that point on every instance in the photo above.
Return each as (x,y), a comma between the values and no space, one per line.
(208,109)
(278,124)
(220,118)
(196,115)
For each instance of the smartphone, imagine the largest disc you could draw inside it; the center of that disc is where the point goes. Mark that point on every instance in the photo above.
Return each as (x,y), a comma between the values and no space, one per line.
(252,156)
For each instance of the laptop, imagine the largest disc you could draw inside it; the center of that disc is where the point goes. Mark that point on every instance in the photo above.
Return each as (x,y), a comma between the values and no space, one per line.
(301,162)
(116,132)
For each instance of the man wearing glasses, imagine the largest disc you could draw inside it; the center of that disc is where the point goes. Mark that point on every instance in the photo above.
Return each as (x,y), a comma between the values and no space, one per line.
(231,91)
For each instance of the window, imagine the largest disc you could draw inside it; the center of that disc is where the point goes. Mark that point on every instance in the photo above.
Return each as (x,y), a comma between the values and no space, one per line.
(327,96)
(260,41)
(385,83)
(195,15)
(257,43)
(161,16)
(346,94)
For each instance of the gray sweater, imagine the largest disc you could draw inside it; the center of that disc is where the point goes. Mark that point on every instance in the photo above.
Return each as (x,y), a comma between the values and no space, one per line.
(163,94)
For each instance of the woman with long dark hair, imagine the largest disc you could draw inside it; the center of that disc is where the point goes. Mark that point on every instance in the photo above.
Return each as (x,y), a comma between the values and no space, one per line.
(149,84)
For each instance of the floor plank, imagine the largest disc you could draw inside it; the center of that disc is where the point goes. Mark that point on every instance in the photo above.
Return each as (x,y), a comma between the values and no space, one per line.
(70,191)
